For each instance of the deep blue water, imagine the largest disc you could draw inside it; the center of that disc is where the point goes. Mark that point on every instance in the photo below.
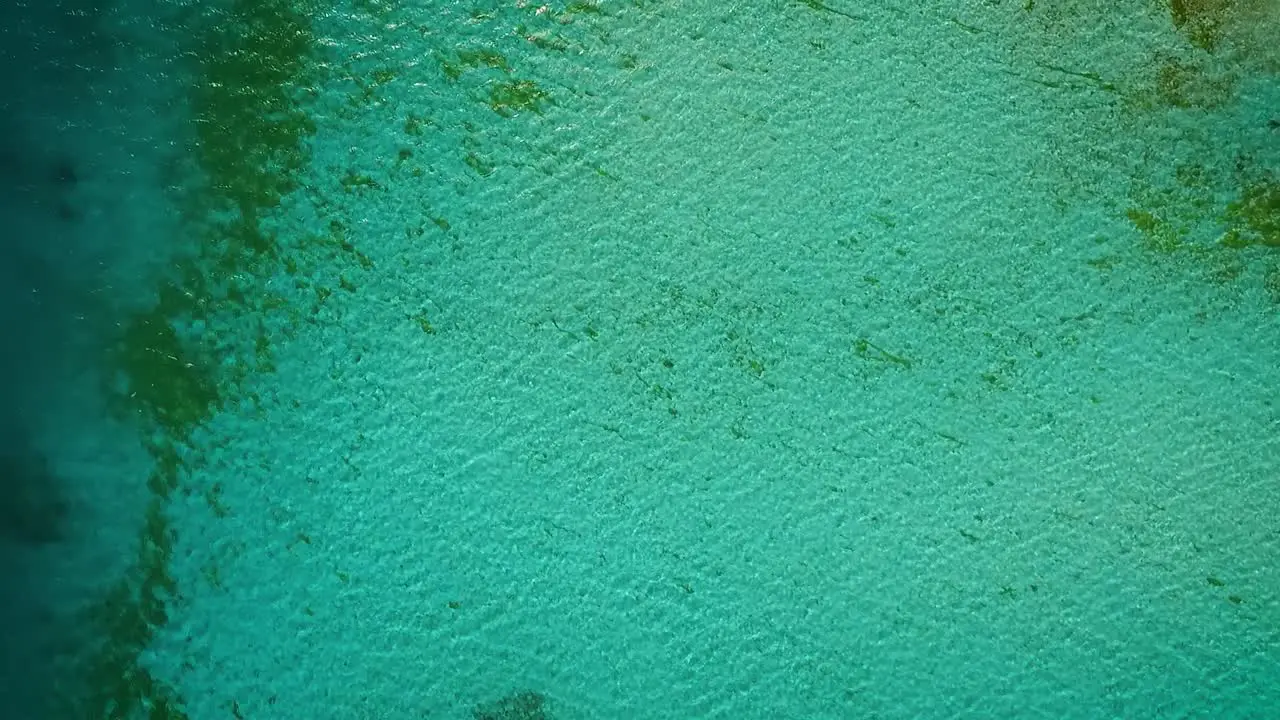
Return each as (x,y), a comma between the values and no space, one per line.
(58,205)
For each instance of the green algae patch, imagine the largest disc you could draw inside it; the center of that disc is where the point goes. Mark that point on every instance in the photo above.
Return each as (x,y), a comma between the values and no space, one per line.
(177,362)
(583,8)
(1196,215)
(1178,224)
(250,142)
(1254,219)
(1159,233)
(506,96)
(1176,213)
(249,130)
(474,58)
(1241,30)
(483,58)
(510,98)
(119,685)
(172,384)
(1183,84)
(1200,21)
(509,60)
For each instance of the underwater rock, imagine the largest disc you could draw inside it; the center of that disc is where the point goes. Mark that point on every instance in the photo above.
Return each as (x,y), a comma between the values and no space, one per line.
(525,705)
(32,510)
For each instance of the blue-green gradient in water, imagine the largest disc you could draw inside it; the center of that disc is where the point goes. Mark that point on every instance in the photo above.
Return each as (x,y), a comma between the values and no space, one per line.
(691,359)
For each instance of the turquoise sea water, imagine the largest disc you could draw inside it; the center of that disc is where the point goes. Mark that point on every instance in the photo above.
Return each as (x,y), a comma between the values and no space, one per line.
(660,359)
